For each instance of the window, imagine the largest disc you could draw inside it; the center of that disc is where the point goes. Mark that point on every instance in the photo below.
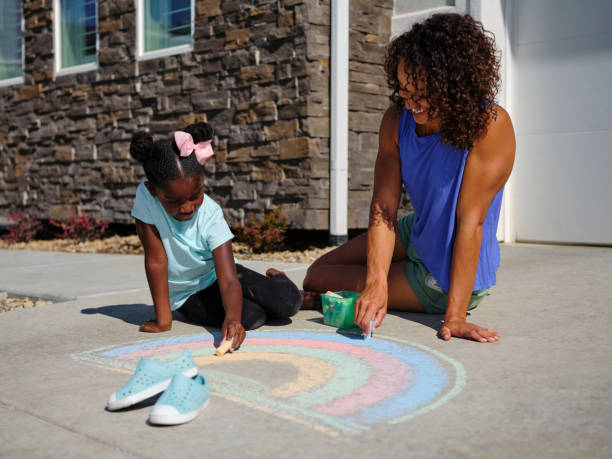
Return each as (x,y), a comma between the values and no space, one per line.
(76,37)
(164,27)
(11,42)
(412,6)
(406,13)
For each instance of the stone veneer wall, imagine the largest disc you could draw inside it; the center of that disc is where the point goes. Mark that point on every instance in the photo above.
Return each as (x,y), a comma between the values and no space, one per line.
(259,73)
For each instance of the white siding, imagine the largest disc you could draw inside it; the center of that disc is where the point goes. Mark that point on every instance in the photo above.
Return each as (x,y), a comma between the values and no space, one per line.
(561,104)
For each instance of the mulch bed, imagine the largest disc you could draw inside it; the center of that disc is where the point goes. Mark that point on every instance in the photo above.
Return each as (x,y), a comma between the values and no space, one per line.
(11,303)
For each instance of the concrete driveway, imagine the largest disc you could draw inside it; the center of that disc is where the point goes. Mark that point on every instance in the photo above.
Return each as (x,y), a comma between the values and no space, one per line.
(302,389)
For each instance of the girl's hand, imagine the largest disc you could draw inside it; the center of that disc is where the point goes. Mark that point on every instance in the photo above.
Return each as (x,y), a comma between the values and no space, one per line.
(234,331)
(462,329)
(371,303)
(151,326)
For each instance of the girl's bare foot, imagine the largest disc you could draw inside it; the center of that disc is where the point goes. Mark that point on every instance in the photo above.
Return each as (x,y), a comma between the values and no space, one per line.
(311,300)
(273,272)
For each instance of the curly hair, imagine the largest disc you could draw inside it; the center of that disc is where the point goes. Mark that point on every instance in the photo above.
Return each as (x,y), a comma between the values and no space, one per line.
(159,158)
(455,58)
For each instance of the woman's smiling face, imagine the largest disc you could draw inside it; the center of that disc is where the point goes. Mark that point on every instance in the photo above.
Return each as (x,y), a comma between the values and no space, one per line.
(411,92)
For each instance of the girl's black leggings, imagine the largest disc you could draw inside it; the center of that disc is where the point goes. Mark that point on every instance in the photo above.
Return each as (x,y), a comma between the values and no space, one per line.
(263,298)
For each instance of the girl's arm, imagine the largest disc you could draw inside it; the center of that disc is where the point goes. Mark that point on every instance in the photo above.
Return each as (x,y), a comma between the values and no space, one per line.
(381,227)
(231,294)
(156,267)
(487,169)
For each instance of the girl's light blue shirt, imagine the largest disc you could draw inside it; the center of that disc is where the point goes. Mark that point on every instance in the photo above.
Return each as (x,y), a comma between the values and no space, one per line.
(188,244)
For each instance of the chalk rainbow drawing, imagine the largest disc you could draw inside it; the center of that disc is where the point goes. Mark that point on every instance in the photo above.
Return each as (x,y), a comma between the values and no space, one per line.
(341,383)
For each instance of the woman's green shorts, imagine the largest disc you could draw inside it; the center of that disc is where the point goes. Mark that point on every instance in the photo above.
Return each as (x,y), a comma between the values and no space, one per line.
(424,285)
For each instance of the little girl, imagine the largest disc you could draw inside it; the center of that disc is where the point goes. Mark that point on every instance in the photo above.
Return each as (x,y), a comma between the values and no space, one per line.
(188,250)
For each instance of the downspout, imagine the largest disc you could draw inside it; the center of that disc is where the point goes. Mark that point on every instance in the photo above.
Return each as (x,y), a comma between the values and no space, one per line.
(338,200)
(508,199)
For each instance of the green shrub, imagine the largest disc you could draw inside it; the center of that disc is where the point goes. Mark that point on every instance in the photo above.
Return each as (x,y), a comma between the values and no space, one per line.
(265,233)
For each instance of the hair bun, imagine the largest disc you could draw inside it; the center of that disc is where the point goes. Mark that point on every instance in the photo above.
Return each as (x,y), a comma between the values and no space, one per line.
(200,131)
(141,147)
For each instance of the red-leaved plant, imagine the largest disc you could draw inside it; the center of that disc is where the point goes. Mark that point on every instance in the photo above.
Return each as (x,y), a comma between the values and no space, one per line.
(82,227)
(25,228)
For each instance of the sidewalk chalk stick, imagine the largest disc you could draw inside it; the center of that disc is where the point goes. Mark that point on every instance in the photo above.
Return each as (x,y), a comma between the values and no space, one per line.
(370,330)
(330,293)
(223,348)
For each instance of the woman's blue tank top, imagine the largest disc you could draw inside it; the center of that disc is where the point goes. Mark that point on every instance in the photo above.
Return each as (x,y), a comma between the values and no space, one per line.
(432,173)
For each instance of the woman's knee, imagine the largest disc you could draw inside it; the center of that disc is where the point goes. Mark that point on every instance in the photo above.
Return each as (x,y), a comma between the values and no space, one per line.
(311,280)
(319,277)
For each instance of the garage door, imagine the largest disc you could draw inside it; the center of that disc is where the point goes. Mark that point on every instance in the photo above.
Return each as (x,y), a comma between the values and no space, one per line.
(562,111)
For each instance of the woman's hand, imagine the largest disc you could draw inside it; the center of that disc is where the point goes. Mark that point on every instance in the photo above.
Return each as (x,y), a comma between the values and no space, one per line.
(461,329)
(371,303)
(151,326)
(234,331)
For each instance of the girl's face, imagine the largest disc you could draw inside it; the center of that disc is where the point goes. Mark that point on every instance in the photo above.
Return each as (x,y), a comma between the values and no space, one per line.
(414,101)
(181,197)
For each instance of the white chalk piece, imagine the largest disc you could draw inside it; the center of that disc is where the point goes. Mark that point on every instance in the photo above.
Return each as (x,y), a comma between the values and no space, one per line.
(225,346)
(335,295)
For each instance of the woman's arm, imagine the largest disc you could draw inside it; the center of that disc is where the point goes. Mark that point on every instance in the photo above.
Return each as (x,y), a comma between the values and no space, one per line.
(156,267)
(381,227)
(487,169)
(231,294)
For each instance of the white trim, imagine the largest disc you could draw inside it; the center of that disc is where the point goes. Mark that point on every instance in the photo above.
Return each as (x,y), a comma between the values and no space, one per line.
(141,55)
(338,186)
(492,14)
(139,28)
(77,69)
(165,52)
(57,54)
(18,79)
(508,204)
(11,81)
(57,48)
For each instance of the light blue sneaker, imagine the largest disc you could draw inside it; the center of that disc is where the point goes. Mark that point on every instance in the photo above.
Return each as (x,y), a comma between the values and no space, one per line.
(182,402)
(151,378)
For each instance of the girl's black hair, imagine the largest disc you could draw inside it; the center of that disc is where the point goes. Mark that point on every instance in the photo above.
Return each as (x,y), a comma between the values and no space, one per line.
(159,158)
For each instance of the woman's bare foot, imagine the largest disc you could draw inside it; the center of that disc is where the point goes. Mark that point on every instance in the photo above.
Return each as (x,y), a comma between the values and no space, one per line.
(311,300)
(273,272)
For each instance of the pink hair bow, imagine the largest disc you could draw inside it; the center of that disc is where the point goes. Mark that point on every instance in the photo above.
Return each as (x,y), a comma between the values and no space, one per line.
(184,142)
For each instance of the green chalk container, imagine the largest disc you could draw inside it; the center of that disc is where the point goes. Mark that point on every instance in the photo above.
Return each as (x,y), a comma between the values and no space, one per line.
(339,312)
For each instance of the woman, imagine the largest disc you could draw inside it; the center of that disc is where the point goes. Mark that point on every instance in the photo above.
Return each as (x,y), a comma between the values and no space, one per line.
(453,148)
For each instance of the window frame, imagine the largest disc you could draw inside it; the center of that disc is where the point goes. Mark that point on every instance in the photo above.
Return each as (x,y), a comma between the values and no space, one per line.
(401,23)
(141,55)
(18,79)
(57,45)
